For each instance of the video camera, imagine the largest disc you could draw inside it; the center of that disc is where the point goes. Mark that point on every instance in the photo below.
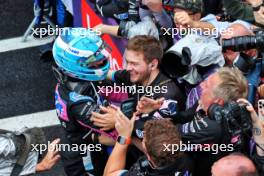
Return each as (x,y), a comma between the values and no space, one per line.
(234,118)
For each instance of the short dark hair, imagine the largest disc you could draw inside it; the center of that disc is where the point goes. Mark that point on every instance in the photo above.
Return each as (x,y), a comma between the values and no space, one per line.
(157,134)
(148,45)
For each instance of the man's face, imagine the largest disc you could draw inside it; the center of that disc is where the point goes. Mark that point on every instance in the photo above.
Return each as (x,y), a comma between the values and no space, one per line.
(137,67)
(208,86)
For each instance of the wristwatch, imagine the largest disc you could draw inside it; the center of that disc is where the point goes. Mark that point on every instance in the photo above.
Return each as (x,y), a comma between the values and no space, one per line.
(123,140)
(255,9)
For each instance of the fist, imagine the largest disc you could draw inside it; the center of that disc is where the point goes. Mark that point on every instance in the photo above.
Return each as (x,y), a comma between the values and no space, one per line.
(183,19)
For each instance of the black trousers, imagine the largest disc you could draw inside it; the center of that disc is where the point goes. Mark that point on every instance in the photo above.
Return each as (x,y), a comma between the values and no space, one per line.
(72,160)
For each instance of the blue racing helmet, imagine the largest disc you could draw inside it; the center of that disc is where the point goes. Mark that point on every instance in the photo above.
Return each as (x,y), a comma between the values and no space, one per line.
(80,53)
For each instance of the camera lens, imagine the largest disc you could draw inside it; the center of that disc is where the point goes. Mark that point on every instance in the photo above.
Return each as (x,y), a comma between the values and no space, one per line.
(240,43)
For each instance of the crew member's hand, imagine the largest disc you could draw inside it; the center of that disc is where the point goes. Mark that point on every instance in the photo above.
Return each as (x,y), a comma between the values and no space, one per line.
(51,158)
(254,117)
(153,5)
(257,123)
(147,105)
(183,19)
(123,125)
(99,29)
(106,119)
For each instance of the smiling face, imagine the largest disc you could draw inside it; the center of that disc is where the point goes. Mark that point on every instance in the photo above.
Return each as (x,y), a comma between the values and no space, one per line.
(136,65)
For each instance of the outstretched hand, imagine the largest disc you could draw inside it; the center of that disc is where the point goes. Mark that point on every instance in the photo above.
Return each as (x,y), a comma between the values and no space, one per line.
(123,125)
(105,119)
(147,105)
(51,158)
(257,123)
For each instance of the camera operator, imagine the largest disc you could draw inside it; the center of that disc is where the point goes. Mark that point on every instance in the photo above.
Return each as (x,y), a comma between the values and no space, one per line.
(156,161)
(227,84)
(245,60)
(251,11)
(238,9)
(188,15)
(238,30)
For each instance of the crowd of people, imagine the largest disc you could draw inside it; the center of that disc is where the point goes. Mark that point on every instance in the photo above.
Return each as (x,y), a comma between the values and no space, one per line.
(193,90)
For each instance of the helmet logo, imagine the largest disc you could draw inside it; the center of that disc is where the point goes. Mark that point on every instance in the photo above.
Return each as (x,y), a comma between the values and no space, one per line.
(73,51)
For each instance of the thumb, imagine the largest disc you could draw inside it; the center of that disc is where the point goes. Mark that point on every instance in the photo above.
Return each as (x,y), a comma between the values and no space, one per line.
(55,142)
(104,109)
(161,100)
(133,119)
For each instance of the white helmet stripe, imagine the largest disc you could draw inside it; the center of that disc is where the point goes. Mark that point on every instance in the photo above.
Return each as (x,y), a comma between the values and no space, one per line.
(105,53)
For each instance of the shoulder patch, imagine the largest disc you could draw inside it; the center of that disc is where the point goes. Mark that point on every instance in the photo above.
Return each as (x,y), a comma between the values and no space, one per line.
(139,133)
(78,97)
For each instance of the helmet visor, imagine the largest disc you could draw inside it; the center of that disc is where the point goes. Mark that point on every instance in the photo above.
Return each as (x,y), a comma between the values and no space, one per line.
(98,58)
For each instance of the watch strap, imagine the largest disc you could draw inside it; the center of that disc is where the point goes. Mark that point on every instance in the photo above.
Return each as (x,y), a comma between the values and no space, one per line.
(124,140)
